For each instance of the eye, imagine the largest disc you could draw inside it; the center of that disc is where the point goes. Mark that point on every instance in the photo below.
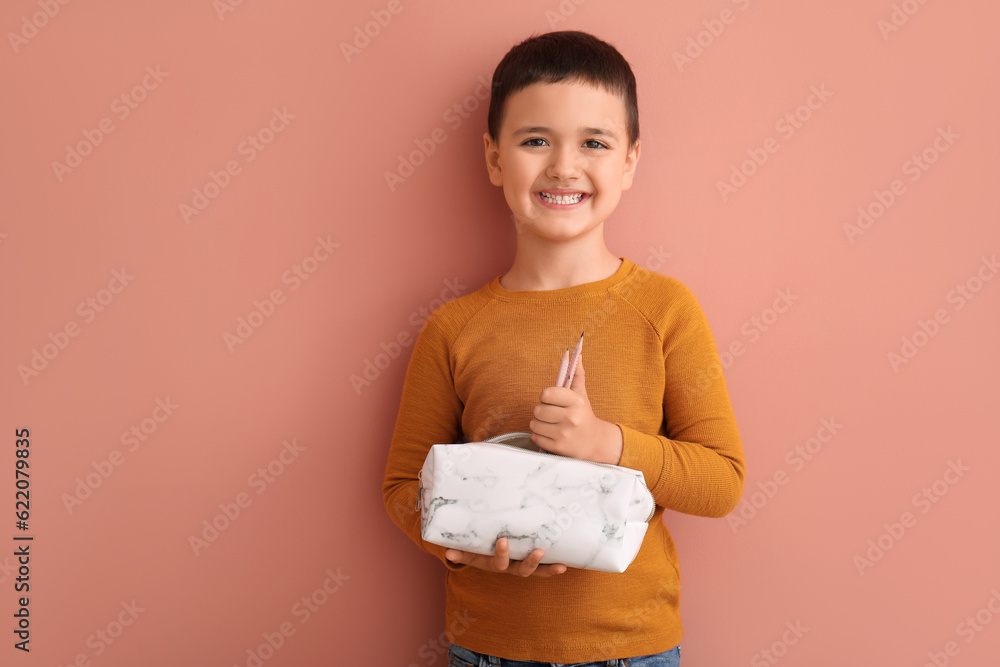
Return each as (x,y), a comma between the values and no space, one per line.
(528,141)
(594,141)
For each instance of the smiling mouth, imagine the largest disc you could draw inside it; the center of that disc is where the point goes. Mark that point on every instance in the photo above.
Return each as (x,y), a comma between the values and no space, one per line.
(563,200)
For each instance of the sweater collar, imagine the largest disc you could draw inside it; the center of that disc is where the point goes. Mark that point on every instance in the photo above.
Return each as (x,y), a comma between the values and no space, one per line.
(576,291)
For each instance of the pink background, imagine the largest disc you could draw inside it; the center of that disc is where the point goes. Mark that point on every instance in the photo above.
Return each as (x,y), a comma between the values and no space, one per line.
(794,556)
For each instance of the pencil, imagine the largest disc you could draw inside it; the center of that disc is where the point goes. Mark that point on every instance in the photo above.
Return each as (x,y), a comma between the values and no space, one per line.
(563,367)
(577,351)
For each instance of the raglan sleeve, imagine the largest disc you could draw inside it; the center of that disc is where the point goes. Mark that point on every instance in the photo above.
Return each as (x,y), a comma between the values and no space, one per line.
(699,466)
(430,412)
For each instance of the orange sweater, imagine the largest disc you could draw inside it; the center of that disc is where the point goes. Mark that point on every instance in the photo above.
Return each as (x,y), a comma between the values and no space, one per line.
(477,369)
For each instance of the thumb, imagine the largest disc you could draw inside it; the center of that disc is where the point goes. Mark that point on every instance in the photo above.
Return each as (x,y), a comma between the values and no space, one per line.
(579,378)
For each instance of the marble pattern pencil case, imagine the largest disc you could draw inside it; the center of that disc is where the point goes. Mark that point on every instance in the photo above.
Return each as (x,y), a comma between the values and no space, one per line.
(583,514)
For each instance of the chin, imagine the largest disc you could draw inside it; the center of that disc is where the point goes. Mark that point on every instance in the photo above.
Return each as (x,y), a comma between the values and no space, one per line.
(560,233)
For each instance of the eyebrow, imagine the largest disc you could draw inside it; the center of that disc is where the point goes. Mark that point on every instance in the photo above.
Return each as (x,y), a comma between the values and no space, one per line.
(601,132)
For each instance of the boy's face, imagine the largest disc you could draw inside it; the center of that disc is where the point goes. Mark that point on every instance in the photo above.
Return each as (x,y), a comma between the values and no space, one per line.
(562,139)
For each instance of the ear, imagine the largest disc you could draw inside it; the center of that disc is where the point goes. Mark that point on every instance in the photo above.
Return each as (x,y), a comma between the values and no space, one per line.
(631,161)
(492,160)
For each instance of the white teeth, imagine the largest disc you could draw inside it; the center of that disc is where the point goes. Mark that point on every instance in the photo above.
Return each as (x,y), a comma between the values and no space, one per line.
(562,199)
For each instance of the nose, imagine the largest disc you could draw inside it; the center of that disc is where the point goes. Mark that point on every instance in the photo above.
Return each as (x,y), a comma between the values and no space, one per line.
(564,164)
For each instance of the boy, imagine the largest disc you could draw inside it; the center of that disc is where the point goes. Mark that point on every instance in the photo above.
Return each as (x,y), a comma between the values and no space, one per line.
(563,143)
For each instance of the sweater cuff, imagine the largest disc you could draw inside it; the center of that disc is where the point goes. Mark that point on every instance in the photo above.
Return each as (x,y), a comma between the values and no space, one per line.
(644,453)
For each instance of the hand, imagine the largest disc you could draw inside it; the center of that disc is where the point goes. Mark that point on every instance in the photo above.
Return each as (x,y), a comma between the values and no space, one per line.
(500,561)
(565,424)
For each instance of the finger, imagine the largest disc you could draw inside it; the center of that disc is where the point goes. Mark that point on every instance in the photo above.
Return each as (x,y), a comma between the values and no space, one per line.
(557,396)
(543,441)
(547,413)
(543,429)
(530,564)
(501,558)
(454,555)
(540,441)
(550,570)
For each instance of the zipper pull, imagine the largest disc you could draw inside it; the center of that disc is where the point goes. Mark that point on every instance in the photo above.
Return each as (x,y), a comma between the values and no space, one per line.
(420,490)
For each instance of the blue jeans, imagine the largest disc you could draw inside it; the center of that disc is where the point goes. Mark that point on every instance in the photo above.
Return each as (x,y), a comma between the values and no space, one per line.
(463,657)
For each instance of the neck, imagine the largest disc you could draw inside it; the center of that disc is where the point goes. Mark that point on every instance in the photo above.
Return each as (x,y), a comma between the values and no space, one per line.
(549,266)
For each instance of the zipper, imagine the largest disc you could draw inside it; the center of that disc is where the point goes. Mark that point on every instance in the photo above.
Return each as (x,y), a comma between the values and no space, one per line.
(495,441)
(420,490)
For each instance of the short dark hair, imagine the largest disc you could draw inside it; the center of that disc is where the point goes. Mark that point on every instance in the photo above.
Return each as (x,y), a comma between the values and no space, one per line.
(567,55)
